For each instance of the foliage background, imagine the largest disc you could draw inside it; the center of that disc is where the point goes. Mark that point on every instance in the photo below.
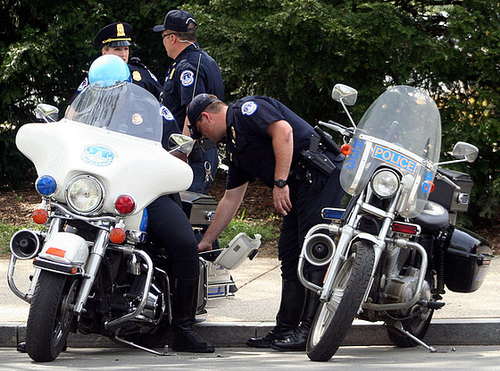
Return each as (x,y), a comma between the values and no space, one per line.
(293,50)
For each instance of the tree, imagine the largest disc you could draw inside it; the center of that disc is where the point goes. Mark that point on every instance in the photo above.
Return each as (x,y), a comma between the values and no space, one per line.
(293,50)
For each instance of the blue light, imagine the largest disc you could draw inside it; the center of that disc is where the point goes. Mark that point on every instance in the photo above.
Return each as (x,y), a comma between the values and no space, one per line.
(144,221)
(332,214)
(46,185)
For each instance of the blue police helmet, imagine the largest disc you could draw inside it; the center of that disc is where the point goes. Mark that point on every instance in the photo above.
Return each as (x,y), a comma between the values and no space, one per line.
(108,70)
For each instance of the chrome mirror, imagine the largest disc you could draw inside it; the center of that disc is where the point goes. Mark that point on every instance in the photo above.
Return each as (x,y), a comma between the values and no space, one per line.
(344,94)
(46,112)
(180,143)
(467,151)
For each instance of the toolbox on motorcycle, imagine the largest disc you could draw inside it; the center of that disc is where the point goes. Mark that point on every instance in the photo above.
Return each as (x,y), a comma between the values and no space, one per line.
(466,261)
(452,199)
(199,208)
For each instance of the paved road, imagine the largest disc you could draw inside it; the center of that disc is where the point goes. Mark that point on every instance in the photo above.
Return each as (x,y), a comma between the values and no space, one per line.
(352,358)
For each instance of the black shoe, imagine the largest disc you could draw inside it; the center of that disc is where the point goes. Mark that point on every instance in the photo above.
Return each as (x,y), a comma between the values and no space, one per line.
(189,341)
(266,341)
(21,347)
(296,342)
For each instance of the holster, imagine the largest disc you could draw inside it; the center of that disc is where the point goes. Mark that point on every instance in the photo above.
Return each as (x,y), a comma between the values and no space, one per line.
(314,157)
(199,148)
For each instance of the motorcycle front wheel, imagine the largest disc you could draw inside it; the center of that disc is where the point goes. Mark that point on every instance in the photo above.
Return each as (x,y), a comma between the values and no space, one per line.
(334,317)
(50,316)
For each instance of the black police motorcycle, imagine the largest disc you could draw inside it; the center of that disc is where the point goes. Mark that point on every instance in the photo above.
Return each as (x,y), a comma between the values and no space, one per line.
(393,250)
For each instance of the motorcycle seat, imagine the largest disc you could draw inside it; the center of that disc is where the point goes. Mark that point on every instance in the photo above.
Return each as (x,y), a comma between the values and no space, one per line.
(433,217)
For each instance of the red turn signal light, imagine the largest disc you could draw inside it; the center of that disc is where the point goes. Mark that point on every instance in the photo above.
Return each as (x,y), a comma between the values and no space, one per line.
(40,216)
(346,149)
(124,204)
(117,235)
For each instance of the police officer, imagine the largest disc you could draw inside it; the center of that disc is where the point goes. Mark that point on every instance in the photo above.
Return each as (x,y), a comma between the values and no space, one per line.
(115,38)
(266,140)
(193,71)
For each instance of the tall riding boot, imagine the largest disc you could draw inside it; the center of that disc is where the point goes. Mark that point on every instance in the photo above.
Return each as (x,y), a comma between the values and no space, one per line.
(288,317)
(298,340)
(184,297)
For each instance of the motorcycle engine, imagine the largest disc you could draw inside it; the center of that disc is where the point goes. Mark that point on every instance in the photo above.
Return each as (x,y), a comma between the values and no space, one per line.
(400,289)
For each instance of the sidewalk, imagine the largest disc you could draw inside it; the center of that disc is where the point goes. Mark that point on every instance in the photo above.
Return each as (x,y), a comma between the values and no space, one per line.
(465,319)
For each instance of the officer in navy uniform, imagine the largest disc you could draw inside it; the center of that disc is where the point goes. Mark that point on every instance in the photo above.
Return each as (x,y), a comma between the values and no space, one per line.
(266,140)
(115,38)
(193,71)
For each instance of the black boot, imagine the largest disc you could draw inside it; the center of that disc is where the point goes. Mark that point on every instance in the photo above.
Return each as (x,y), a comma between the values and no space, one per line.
(288,317)
(298,340)
(184,295)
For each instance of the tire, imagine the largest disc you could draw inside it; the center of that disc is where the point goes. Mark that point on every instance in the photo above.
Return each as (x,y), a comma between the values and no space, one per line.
(417,325)
(50,316)
(334,318)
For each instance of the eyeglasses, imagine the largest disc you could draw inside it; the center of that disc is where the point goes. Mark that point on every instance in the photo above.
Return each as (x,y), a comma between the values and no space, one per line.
(168,34)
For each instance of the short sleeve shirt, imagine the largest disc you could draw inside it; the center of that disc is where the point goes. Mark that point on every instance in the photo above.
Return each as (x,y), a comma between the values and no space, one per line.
(249,145)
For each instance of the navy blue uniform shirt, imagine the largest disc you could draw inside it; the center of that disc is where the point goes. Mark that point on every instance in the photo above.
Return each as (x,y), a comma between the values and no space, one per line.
(250,146)
(193,72)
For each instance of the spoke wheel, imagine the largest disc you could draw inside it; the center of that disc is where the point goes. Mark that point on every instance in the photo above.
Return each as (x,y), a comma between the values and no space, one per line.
(334,318)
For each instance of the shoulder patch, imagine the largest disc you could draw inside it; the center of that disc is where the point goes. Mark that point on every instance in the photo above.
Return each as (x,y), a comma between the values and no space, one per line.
(187,78)
(83,85)
(165,113)
(249,108)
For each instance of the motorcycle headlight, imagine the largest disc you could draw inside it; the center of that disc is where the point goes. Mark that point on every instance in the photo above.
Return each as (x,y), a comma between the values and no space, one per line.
(85,194)
(385,183)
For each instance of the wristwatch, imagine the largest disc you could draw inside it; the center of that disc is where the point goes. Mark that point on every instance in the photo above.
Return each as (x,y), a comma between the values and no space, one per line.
(280,183)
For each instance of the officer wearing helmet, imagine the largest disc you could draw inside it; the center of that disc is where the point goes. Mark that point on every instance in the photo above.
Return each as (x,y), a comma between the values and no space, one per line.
(115,38)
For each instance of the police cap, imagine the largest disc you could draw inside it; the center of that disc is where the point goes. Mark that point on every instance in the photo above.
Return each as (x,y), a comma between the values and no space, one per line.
(176,20)
(194,110)
(114,34)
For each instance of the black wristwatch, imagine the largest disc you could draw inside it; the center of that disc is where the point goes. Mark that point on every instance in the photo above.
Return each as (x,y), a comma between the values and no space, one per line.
(280,183)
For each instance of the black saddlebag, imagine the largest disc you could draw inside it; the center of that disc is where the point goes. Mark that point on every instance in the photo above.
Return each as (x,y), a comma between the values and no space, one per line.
(452,199)
(199,208)
(467,260)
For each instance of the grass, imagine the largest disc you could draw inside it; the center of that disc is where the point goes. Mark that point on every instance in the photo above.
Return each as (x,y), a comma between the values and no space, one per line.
(6,232)
(266,228)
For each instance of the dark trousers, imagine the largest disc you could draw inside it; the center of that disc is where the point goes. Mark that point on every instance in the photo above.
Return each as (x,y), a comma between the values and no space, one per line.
(170,229)
(308,199)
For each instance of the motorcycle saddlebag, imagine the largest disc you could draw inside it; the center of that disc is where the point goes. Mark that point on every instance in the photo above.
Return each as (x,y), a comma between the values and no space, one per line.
(466,261)
(199,208)
(452,199)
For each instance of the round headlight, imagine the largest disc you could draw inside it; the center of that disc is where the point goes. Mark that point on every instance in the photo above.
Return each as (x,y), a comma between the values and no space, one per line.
(385,183)
(85,194)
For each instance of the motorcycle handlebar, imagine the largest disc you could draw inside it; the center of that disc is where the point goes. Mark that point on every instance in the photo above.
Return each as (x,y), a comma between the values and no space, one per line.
(348,132)
(442,176)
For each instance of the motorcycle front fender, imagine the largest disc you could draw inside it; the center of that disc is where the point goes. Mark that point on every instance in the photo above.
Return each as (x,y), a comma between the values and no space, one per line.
(65,248)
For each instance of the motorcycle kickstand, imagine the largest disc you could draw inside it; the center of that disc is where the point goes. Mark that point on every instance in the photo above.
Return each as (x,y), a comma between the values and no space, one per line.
(399,326)
(134,345)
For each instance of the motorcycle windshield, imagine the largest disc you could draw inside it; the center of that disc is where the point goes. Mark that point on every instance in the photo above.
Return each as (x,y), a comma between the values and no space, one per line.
(125,108)
(400,130)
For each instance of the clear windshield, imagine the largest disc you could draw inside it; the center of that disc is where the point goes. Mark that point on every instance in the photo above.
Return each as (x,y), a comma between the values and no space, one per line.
(124,108)
(400,130)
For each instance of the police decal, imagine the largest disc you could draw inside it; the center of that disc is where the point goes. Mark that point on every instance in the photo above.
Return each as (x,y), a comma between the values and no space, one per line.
(187,78)
(166,114)
(98,155)
(249,108)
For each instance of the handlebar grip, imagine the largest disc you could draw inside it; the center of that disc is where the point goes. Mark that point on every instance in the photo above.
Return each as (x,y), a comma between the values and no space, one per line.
(328,141)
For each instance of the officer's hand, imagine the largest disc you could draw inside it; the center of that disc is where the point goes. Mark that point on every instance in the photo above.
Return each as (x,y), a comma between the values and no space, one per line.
(281,199)
(203,246)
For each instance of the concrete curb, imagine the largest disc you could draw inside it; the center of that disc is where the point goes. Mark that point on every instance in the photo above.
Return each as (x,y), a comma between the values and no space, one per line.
(234,334)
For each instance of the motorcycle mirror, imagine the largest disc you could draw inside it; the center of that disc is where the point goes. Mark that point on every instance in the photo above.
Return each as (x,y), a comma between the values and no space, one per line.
(346,94)
(46,112)
(180,143)
(467,151)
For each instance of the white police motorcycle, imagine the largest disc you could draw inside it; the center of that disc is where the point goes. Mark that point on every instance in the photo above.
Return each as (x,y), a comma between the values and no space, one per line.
(95,272)
(391,252)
